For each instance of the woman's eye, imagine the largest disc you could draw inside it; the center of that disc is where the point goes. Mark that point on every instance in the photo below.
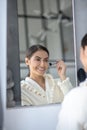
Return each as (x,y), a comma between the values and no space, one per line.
(46,61)
(38,59)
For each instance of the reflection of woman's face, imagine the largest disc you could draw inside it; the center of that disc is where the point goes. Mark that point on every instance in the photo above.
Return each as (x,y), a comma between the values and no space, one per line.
(38,63)
(83,57)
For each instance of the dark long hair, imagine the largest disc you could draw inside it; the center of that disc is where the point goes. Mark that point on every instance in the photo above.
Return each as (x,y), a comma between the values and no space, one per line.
(84,41)
(34,48)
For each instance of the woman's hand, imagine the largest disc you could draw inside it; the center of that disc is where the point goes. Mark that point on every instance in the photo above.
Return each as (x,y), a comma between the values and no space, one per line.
(61,68)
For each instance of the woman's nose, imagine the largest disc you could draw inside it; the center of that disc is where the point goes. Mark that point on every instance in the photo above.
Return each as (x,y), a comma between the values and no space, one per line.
(42,63)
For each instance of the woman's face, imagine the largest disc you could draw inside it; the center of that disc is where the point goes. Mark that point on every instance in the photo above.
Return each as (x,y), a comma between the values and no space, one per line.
(38,63)
(83,57)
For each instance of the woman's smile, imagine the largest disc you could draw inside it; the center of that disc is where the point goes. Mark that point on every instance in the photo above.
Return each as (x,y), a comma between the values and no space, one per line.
(42,70)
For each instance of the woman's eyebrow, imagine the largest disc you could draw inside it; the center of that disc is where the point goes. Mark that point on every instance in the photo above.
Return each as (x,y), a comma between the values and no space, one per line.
(46,58)
(37,57)
(41,57)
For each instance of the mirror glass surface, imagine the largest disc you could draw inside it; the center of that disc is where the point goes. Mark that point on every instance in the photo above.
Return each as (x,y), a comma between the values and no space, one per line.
(45,22)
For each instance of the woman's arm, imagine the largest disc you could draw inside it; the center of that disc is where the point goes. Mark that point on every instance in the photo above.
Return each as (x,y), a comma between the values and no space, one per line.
(64,82)
(61,69)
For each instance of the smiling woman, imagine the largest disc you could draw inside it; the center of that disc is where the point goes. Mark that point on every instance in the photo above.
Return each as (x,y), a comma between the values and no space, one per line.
(48,24)
(40,88)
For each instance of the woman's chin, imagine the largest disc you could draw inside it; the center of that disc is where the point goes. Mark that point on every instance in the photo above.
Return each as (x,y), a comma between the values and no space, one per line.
(41,73)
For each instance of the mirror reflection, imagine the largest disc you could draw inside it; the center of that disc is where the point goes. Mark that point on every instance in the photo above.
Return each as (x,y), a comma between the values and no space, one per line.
(46,71)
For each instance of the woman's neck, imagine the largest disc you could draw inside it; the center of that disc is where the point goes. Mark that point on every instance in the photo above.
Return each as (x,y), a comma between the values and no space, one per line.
(39,79)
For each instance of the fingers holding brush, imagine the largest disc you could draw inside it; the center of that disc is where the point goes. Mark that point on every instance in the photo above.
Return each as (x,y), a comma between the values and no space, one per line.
(61,68)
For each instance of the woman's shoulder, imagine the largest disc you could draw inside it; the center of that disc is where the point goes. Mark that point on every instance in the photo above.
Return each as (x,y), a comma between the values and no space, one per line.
(27,86)
(25,83)
(77,94)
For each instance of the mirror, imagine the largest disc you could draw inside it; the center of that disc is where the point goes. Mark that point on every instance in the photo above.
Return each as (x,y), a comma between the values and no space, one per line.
(29,22)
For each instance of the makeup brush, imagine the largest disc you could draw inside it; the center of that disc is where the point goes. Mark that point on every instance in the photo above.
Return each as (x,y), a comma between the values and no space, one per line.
(53,63)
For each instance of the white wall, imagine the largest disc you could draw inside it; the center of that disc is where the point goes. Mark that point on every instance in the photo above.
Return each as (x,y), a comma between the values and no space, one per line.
(2,57)
(80,25)
(38,118)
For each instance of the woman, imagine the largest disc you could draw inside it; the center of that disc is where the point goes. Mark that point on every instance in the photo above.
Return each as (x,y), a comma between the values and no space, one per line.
(73,114)
(40,88)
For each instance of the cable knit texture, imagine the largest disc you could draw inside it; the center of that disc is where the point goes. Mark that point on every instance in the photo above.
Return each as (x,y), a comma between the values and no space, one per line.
(33,94)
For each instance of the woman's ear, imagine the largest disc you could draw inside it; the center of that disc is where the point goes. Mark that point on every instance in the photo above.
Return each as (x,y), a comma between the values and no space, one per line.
(85,51)
(27,61)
